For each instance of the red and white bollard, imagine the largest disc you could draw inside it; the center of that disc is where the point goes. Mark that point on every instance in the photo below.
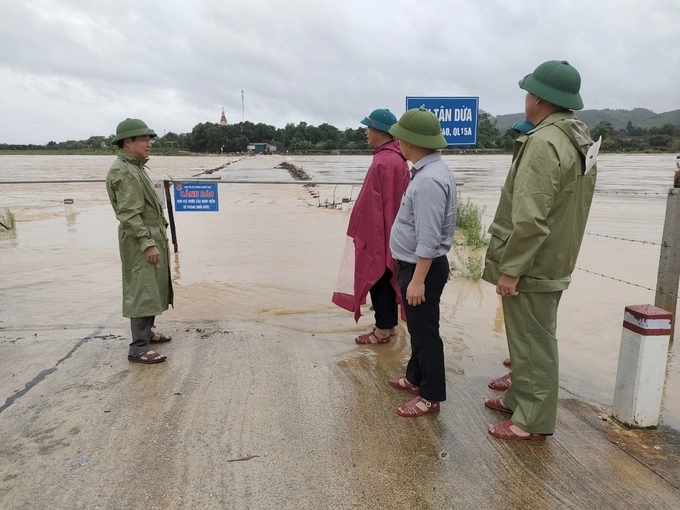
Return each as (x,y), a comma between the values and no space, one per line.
(69,207)
(642,366)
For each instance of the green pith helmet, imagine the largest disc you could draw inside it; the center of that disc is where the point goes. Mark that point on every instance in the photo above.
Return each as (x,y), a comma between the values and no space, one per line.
(556,82)
(132,127)
(419,127)
(380,119)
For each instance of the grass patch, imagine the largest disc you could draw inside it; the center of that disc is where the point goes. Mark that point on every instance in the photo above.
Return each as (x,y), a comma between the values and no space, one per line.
(466,262)
(8,219)
(469,220)
(468,265)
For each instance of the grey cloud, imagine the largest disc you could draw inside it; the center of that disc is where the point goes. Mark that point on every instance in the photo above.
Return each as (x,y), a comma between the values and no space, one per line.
(179,62)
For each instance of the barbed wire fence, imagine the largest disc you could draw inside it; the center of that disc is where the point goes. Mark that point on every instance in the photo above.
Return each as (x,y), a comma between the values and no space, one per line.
(597,191)
(607,236)
(498,189)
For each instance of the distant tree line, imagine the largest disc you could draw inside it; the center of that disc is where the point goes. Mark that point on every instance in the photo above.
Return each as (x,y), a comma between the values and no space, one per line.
(632,138)
(211,137)
(215,138)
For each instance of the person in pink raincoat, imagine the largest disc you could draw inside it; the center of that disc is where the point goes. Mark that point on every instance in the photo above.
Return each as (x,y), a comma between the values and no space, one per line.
(369,228)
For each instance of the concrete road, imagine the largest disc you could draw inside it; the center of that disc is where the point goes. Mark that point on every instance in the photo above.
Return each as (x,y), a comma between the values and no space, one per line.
(246,415)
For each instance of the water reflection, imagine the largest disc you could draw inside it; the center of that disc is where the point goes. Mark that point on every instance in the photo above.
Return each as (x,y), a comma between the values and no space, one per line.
(176,273)
(71,227)
(8,238)
(498,321)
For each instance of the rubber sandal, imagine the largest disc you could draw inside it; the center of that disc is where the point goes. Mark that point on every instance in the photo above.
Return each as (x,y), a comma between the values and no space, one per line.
(501,383)
(507,363)
(367,339)
(147,358)
(411,410)
(391,335)
(502,431)
(497,405)
(401,383)
(161,339)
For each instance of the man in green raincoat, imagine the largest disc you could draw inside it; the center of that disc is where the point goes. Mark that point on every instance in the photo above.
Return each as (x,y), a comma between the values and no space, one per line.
(143,245)
(536,235)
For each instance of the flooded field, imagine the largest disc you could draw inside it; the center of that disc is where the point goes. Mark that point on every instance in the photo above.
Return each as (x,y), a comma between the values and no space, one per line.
(271,255)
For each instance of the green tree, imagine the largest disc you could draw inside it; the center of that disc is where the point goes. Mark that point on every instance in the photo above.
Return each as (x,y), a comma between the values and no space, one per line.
(604,129)
(488,135)
(660,141)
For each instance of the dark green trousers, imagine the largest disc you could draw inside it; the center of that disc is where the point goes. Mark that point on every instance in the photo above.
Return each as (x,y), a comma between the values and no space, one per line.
(530,325)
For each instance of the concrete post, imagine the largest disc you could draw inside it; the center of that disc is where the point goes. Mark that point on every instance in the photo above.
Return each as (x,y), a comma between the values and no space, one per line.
(669,258)
(642,366)
(69,207)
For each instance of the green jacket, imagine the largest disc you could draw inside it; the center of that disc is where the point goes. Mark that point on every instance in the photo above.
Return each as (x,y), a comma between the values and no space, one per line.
(544,205)
(147,288)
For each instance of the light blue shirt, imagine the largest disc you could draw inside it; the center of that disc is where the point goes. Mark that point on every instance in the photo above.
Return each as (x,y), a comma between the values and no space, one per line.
(426,221)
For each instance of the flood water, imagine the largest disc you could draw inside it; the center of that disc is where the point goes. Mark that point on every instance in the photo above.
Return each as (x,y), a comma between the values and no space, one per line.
(271,255)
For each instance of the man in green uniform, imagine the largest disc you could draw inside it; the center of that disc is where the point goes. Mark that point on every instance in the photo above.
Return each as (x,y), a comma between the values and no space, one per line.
(535,239)
(143,245)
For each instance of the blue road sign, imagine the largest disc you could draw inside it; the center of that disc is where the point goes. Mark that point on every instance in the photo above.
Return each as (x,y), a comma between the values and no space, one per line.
(191,196)
(457,116)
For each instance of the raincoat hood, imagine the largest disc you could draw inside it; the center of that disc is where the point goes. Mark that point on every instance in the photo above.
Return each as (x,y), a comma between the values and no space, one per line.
(127,157)
(576,130)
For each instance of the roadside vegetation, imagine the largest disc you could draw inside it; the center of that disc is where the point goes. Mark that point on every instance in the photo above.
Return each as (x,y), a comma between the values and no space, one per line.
(7,220)
(467,260)
(466,265)
(469,220)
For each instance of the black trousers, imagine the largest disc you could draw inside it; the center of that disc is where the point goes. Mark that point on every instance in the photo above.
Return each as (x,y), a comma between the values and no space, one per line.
(426,366)
(384,301)
(141,334)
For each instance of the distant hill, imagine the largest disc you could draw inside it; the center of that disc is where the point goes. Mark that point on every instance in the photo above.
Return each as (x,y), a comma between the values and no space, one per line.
(640,117)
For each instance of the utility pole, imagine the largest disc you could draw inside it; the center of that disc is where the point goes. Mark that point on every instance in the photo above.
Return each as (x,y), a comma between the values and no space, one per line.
(243,111)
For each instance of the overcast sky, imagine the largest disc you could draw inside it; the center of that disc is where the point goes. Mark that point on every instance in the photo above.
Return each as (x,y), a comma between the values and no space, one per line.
(70,69)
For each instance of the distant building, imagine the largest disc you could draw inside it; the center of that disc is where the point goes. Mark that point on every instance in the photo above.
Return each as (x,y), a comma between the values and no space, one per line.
(261,148)
(223,120)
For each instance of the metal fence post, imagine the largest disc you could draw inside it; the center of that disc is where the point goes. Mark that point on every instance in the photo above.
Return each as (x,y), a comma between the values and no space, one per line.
(171,214)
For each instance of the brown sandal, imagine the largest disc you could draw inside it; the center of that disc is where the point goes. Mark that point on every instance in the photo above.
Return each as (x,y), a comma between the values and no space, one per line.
(148,357)
(501,383)
(401,383)
(497,405)
(371,338)
(502,431)
(411,410)
(161,339)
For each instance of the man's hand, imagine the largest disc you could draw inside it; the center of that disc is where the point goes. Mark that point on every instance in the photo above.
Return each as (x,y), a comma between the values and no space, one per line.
(153,256)
(507,285)
(415,293)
